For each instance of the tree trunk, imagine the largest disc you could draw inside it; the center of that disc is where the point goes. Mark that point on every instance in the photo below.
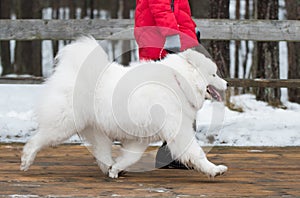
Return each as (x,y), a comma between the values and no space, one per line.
(92,9)
(115,6)
(293,13)
(72,6)
(55,15)
(5,11)
(200,9)
(219,9)
(28,56)
(126,48)
(247,17)
(84,8)
(237,48)
(268,59)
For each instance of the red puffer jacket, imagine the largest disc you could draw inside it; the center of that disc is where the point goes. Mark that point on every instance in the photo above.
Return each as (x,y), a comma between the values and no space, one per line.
(157,19)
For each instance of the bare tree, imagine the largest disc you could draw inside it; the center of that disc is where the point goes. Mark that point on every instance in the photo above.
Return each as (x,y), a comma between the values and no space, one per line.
(55,15)
(5,12)
(72,6)
(247,16)
(127,6)
(28,58)
(268,56)
(219,9)
(200,9)
(241,51)
(237,46)
(293,13)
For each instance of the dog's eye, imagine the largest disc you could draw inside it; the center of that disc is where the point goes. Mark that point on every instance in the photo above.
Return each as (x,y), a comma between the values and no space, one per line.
(214,75)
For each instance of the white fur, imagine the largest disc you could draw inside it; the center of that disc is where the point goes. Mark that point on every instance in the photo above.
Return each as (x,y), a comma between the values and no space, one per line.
(79,98)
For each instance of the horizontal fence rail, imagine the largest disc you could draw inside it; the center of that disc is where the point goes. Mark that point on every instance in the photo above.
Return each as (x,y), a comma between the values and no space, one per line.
(272,83)
(232,82)
(21,80)
(122,29)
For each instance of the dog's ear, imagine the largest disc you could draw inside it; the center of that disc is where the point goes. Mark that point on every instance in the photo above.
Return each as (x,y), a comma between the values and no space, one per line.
(189,56)
(192,56)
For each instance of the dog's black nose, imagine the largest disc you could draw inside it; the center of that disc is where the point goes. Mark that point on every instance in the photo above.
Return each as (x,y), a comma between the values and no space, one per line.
(227,84)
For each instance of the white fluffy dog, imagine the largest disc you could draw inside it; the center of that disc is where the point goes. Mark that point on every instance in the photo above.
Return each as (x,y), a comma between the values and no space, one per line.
(136,105)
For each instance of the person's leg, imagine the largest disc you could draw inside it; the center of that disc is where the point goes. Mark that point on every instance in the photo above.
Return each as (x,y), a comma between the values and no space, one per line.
(164,159)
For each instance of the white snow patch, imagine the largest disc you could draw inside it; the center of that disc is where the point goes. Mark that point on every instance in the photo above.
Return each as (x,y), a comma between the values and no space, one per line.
(259,124)
(17,117)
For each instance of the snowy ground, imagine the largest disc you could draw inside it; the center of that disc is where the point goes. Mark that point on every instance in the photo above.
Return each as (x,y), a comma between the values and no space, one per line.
(258,125)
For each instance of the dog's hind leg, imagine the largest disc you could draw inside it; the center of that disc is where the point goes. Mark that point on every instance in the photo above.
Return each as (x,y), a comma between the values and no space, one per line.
(45,137)
(100,146)
(132,151)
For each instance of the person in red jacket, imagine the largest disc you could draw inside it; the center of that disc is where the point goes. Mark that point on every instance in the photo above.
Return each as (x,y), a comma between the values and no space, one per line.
(163,26)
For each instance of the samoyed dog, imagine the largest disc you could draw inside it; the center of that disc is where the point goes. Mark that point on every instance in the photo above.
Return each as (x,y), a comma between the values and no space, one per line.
(146,102)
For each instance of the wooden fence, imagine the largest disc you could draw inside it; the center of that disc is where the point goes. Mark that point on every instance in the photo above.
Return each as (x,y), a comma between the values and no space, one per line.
(274,83)
(122,29)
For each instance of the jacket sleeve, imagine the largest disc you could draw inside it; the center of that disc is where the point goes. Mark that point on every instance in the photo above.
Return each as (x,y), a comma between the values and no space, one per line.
(164,16)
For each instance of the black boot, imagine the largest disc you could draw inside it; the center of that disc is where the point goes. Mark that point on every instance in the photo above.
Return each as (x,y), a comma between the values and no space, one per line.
(164,159)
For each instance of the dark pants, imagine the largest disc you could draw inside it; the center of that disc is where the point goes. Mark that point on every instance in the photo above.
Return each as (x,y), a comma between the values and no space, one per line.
(164,159)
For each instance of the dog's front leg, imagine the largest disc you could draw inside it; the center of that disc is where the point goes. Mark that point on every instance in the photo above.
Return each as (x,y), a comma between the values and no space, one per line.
(132,151)
(185,148)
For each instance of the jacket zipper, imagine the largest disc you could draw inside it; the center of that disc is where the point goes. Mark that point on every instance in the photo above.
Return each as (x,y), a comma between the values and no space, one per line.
(172,5)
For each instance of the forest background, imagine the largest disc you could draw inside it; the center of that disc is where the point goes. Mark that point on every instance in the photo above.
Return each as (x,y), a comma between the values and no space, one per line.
(235,59)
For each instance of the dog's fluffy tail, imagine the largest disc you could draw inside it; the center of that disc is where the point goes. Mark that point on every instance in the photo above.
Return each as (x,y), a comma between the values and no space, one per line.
(75,57)
(72,85)
(77,52)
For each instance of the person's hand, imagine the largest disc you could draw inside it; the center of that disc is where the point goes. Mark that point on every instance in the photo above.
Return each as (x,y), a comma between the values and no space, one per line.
(172,44)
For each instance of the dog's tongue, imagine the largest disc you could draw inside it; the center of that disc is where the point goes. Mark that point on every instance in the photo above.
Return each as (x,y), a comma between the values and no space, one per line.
(214,93)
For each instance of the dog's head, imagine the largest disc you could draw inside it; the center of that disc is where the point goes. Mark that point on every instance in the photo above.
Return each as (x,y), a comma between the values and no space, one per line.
(206,70)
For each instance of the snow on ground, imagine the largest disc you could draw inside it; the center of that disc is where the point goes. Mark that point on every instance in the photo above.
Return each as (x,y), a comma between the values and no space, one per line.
(258,125)
(17,117)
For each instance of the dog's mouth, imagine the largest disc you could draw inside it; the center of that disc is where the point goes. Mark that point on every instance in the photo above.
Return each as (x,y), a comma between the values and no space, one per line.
(214,93)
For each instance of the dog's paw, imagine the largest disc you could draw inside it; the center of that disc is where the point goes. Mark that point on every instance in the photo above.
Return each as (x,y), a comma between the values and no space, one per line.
(27,158)
(217,171)
(24,166)
(113,173)
(26,162)
(221,170)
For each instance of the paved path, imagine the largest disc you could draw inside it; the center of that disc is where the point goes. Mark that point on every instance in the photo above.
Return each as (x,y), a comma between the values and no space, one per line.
(70,171)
